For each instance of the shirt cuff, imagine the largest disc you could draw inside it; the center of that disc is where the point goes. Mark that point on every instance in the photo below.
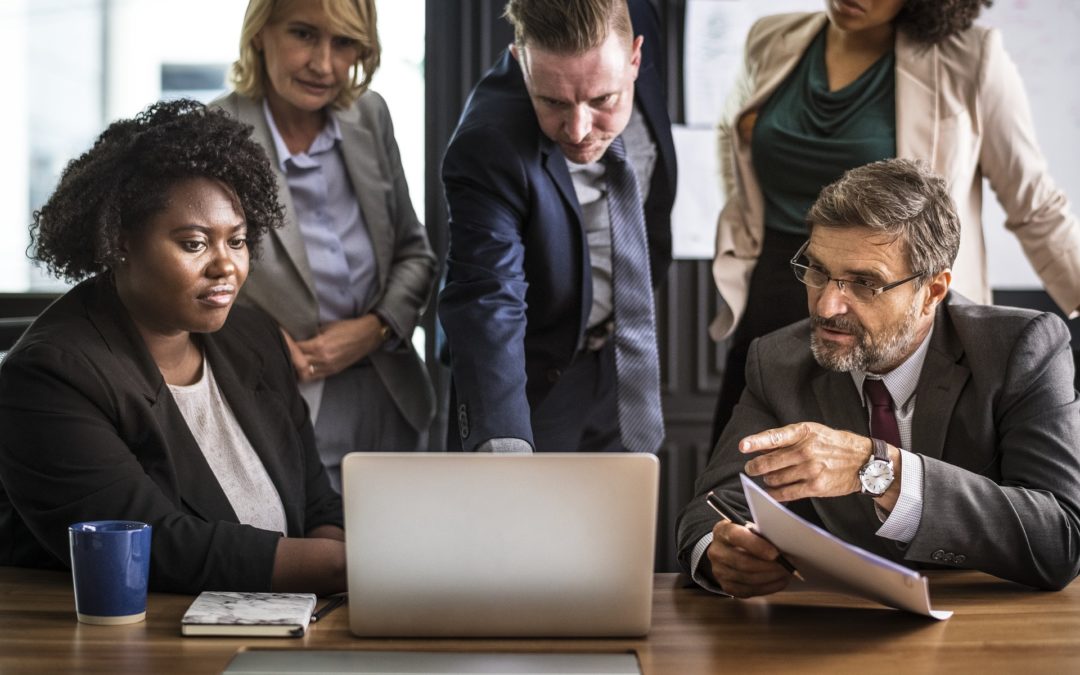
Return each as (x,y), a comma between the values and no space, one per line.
(695,560)
(903,523)
(510,446)
(394,340)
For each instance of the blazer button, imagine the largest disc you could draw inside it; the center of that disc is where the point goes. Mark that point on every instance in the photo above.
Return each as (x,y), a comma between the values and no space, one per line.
(553,375)
(937,555)
(463,421)
(949,557)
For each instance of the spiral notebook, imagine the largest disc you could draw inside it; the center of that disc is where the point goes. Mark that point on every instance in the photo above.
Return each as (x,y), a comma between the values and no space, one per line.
(253,614)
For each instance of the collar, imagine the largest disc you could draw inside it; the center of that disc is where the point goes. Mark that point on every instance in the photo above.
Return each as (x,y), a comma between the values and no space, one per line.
(327,138)
(902,380)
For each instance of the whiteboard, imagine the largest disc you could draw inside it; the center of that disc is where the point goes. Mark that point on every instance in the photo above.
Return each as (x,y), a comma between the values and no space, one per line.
(1039,35)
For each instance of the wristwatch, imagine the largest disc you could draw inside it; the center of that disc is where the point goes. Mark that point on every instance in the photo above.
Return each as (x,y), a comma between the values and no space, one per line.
(877,474)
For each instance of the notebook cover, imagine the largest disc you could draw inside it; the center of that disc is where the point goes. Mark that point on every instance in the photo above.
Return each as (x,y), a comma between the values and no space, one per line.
(255,614)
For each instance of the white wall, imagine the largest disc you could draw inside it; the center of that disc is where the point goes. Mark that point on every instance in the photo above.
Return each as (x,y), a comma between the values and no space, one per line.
(1041,37)
(14,175)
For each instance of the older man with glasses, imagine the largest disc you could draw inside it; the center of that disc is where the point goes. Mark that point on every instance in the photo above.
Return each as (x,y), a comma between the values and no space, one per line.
(900,417)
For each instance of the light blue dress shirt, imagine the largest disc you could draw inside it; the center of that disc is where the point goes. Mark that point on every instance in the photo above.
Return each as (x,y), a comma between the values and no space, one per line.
(336,237)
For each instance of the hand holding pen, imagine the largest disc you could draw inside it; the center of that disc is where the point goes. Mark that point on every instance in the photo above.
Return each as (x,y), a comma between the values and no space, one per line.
(731,515)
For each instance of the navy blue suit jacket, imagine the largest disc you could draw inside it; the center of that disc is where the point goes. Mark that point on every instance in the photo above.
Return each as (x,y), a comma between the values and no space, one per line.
(519,287)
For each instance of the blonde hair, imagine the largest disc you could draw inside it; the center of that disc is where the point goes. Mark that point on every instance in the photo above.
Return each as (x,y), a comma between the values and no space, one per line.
(354,19)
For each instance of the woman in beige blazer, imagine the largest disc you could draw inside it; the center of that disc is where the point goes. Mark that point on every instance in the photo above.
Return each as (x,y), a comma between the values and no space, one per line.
(959,105)
(349,273)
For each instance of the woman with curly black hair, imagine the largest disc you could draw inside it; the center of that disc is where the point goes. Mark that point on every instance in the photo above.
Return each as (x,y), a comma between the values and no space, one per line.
(867,80)
(142,393)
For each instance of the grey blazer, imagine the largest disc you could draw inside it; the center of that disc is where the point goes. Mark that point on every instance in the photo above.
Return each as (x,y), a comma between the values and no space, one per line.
(997,423)
(280,282)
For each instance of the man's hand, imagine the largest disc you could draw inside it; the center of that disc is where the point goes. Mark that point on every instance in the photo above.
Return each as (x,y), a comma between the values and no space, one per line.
(807,460)
(743,563)
(339,345)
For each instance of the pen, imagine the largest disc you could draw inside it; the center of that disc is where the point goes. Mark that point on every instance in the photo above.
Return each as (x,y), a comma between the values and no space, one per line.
(727,512)
(335,602)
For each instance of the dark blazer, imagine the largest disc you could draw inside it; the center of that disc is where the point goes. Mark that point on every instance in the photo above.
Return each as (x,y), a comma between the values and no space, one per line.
(997,423)
(518,288)
(90,431)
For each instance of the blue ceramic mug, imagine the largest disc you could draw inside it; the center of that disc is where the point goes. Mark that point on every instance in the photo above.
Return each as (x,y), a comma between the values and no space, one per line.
(110,565)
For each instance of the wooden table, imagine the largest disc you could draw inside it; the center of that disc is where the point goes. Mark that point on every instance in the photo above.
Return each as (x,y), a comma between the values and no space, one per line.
(997,627)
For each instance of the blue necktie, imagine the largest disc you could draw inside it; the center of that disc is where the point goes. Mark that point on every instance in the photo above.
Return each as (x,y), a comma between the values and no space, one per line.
(637,363)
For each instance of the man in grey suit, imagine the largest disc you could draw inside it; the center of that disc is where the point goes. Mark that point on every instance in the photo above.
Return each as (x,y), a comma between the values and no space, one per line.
(900,417)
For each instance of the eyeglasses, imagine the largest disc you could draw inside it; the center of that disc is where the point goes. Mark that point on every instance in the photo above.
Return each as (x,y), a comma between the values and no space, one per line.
(856,290)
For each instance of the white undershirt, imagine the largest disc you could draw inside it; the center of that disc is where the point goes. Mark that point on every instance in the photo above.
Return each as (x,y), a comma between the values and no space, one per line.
(231,457)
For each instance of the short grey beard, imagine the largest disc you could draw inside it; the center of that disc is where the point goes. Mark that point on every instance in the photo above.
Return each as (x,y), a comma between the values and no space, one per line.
(863,356)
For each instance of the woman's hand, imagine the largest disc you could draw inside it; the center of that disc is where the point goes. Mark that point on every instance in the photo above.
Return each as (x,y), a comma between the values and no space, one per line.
(304,371)
(309,565)
(339,345)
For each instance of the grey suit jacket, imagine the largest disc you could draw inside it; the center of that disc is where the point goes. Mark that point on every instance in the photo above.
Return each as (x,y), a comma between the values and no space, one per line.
(997,423)
(280,282)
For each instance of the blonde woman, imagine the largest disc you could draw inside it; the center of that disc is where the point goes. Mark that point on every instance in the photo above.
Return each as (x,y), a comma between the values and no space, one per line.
(349,273)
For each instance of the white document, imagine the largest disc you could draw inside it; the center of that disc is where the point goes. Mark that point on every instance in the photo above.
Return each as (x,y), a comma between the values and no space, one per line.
(714,43)
(835,565)
(697,197)
(715,35)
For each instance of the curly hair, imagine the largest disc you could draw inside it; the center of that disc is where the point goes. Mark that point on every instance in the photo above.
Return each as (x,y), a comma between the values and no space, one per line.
(118,185)
(932,21)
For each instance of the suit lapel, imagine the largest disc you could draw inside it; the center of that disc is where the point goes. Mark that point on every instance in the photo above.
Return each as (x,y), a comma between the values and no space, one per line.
(113,322)
(556,169)
(359,149)
(940,383)
(839,402)
(555,166)
(917,98)
(782,59)
(288,235)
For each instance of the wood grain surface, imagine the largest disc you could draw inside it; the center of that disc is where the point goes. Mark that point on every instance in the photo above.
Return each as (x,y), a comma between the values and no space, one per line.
(998,627)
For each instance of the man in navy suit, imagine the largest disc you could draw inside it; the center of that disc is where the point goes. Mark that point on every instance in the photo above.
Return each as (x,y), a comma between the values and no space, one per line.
(528,305)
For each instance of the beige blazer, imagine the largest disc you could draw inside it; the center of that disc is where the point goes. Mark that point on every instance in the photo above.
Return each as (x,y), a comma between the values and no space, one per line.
(281,284)
(961,107)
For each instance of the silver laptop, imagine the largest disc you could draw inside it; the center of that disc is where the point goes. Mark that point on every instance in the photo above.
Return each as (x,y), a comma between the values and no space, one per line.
(481,545)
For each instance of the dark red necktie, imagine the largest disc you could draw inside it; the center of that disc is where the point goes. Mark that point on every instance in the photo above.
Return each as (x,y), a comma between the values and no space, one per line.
(882,418)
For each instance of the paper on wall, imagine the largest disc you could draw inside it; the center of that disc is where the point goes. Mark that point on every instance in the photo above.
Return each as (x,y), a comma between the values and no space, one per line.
(697,198)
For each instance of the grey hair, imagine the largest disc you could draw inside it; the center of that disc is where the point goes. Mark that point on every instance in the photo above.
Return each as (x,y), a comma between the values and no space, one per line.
(898,197)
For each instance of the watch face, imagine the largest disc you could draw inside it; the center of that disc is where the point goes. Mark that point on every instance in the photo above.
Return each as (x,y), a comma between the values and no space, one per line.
(876,476)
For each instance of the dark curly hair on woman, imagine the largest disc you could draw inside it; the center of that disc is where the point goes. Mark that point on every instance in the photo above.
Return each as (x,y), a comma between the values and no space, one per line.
(118,185)
(932,21)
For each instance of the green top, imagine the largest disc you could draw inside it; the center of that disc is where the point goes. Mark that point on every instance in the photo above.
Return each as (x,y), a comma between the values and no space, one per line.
(806,136)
